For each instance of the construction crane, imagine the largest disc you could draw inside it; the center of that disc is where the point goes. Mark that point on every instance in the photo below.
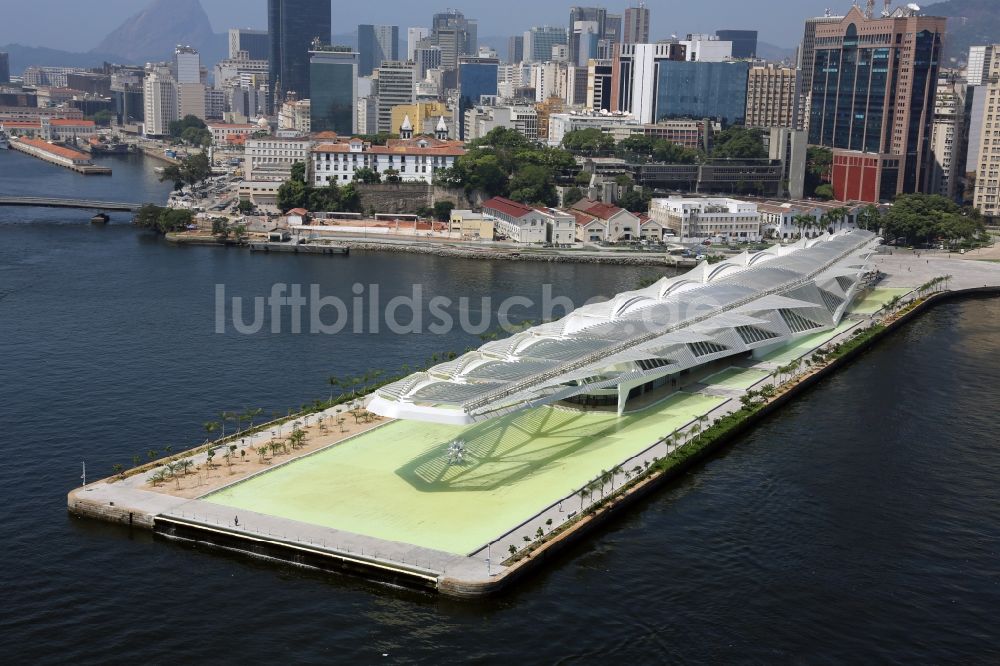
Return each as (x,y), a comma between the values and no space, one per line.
(870,9)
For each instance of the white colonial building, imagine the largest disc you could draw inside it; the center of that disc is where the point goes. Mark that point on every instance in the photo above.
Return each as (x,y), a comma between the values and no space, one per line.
(695,219)
(525,224)
(409,159)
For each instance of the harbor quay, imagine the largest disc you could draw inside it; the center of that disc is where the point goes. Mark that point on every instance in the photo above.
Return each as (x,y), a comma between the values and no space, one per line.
(423,483)
(63,156)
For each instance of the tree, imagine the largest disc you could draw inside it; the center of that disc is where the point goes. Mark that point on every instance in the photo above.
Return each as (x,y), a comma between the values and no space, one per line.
(442,210)
(926,217)
(590,141)
(196,136)
(532,184)
(824,191)
(162,220)
(739,143)
(177,127)
(803,221)
(367,176)
(292,194)
(819,164)
(299,171)
(245,206)
(571,196)
(870,218)
(103,118)
(636,201)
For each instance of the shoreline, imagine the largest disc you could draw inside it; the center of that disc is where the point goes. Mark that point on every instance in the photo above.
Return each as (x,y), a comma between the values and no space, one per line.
(462,580)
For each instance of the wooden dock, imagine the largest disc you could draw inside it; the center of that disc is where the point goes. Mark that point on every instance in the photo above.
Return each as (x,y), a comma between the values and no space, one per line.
(300,248)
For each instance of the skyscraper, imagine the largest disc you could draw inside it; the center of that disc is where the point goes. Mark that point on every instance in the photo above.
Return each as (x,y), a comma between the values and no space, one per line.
(292,26)
(254,42)
(376,43)
(4,67)
(873,86)
(333,93)
(187,65)
(744,42)
(987,196)
(476,77)
(636,25)
(396,87)
(773,96)
(455,35)
(579,18)
(515,49)
(538,42)
(635,76)
(949,136)
(702,90)
(413,37)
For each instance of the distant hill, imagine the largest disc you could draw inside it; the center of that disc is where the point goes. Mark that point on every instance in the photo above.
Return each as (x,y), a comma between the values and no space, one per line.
(970,23)
(22,57)
(774,53)
(152,34)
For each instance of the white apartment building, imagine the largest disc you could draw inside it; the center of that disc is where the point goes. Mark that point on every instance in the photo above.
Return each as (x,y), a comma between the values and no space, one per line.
(987,197)
(562,123)
(225,133)
(413,160)
(187,65)
(159,97)
(271,159)
(701,218)
(778,218)
(480,120)
(946,136)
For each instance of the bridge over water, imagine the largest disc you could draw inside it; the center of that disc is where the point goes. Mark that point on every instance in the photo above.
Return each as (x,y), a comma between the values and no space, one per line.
(84,204)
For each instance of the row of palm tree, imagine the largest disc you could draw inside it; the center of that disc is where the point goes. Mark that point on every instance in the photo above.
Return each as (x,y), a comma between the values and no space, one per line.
(827,220)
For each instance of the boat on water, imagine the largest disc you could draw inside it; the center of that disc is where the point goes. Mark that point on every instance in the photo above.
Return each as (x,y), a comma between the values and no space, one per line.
(100,218)
(4,139)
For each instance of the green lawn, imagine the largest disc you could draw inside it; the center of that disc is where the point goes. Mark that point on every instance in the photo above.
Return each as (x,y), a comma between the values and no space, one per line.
(803,346)
(876,299)
(736,378)
(395,483)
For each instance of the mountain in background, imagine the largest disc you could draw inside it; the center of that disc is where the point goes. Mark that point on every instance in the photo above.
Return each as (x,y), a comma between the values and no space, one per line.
(152,34)
(775,53)
(970,23)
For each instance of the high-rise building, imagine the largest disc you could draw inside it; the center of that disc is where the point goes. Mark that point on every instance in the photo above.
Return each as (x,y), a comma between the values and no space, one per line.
(292,26)
(773,96)
(396,85)
(456,36)
(980,63)
(715,90)
(635,76)
(790,146)
(987,195)
(599,75)
(333,93)
(744,42)
(427,57)
(187,65)
(806,60)
(376,43)
(413,36)
(635,28)
(255,43)
(585,24)
(538,42)
(191,100)
(476,77)
(4,67)
(949,137)
(873,87)
(127,93)
(977,74)
(515,49)
(159,96)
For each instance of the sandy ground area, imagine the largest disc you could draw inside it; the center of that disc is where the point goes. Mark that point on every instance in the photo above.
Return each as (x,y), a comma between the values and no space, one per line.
(319,434)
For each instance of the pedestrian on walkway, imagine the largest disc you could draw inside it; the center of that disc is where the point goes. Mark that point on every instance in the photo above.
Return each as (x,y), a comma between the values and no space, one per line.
(236,521)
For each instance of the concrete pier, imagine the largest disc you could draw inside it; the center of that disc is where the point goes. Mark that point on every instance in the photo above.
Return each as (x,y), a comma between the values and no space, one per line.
(59,155)
(489,569)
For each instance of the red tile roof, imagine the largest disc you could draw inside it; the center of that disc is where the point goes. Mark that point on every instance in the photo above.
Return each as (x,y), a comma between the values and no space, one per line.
(397,147)
(61,151)
(603,211)
(507,207)
(582,219)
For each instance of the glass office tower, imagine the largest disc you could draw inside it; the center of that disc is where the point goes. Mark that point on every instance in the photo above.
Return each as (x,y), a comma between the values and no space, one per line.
(702,90)
(333,76)
(476,77)
(292,26)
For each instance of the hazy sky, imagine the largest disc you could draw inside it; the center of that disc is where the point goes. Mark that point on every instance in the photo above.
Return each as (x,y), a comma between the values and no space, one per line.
(81,24)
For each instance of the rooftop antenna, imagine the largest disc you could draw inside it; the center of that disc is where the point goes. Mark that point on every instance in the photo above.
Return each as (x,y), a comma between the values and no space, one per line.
(887,8)
(870,9)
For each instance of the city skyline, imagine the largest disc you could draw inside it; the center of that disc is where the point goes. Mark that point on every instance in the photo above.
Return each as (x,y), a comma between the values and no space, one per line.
(90,24)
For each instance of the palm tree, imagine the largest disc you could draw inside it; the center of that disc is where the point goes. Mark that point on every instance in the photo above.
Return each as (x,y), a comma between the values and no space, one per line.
(251,414)
(803,222)
(584,493)
(210,427)
(223,417)
(334,382)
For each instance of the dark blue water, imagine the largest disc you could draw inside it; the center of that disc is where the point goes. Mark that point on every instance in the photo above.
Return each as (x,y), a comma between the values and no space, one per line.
(863,523)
